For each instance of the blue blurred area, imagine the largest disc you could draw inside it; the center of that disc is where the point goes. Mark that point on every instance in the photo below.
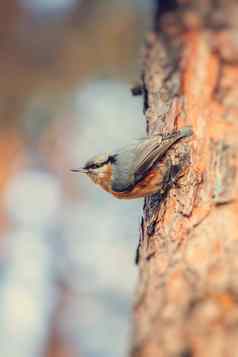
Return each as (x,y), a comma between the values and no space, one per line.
(67,247)
(42,7)
(102,229)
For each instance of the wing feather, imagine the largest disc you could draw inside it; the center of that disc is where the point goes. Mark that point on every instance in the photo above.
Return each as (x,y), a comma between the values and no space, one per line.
(133,162)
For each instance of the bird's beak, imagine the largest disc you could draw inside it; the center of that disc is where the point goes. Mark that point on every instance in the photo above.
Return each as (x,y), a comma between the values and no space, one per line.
(80,170)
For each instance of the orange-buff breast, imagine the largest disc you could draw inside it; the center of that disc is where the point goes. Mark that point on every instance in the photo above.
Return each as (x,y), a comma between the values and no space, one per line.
(150,184)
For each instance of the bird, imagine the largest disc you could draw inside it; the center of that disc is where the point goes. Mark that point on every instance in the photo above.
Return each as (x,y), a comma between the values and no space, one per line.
(136,170)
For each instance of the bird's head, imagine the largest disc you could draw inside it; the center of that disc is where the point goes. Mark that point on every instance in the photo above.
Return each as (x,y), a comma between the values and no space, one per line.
(98,168)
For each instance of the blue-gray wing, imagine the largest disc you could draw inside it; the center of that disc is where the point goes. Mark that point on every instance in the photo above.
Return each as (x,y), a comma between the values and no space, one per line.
(133,162)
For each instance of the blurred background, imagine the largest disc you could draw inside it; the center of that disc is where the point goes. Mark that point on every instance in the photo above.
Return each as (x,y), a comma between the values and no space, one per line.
(67,248)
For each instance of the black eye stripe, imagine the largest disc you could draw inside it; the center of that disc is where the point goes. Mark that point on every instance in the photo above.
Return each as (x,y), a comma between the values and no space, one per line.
(93,166)
(97,165)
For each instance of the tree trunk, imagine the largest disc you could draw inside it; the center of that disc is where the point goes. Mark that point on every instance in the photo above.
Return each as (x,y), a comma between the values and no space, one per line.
(187,296)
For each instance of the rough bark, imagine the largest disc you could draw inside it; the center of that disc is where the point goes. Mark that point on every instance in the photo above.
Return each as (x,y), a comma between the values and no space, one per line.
(187,295)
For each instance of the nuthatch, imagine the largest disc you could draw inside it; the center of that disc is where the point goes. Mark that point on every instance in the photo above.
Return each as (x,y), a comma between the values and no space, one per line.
(136,170)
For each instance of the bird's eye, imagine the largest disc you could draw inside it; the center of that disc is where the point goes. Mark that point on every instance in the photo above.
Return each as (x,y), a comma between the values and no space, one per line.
(94,166)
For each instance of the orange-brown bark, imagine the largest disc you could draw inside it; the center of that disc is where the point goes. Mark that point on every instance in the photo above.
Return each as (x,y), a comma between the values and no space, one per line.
(187,296)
